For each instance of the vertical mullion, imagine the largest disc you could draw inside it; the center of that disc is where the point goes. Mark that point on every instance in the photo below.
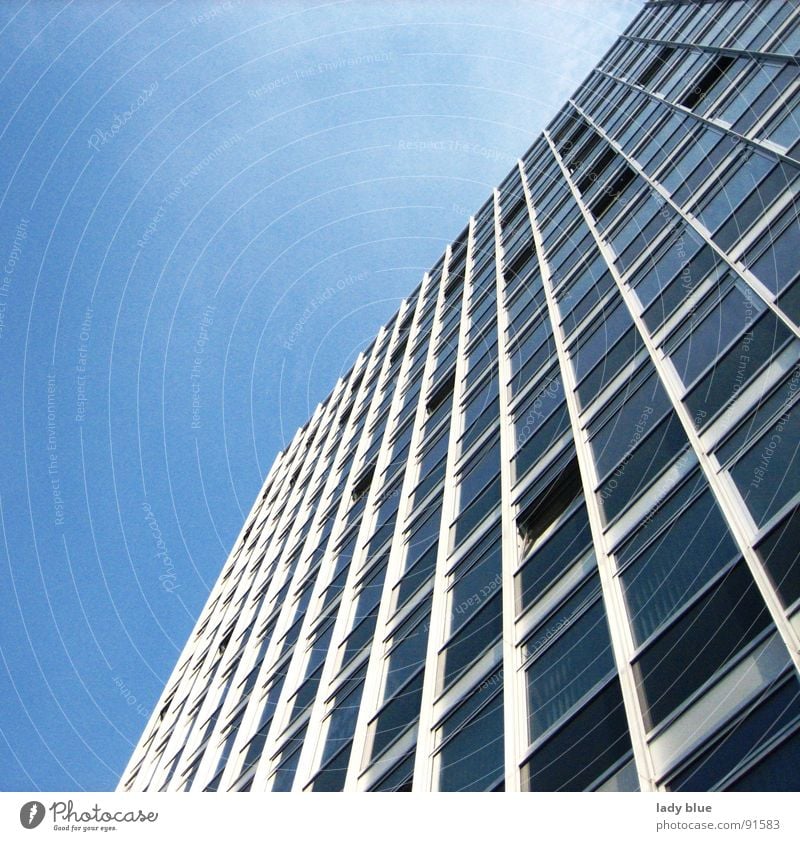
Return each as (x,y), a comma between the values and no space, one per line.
(619,628)
(423,759)
(513,693)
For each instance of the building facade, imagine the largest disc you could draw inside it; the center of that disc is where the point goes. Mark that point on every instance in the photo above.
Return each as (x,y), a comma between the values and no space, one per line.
(544,535)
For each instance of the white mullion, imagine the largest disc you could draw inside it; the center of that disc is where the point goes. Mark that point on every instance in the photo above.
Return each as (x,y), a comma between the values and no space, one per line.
(437,631)
(370,697)
(735,513)
(619,628)
(514,714)
(306,766)
(198,683)
(211,755)
(273,742)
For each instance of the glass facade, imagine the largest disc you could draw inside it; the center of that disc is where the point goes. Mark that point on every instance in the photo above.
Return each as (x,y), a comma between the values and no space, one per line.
(544,535)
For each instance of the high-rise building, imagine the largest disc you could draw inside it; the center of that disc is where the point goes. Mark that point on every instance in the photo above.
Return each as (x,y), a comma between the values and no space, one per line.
(544,535)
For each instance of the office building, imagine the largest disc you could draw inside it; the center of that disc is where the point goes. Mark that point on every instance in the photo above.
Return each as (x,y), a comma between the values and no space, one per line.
(544,535)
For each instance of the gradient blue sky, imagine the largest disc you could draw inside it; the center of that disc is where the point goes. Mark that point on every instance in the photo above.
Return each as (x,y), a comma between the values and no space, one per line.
(180,183)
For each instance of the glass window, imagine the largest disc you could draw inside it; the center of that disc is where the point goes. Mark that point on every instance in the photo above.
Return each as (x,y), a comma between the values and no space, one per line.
(591,347)
(771,91)
(784,128)
(539,435)
(777,266)
(634,473)
(674,566)
(481,409)
(408,651)
(477,576)
(744,739)
(768,476)
(664,141)
(482,630)
(396,716)
(709,332)
(736,367)
(553,558)
(733,188)
(746,92)
(576,660)
(726,619)
(286,762)
(473,758)
(780,554)
(478,471)
(623,423)
(582,752)
(697,149)
(673,260)
(609,365)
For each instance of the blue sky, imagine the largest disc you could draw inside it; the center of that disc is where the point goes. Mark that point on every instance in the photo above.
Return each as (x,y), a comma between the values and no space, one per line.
(207,209)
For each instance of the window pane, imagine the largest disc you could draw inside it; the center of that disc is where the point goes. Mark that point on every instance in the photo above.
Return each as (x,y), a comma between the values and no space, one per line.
(480,632)
(769,474)
(567,669)
(744,739)
(584,749)
(710,332)
(553,558)
(780,553)
(676,565)
(473,759)
(641,466)
(674,666)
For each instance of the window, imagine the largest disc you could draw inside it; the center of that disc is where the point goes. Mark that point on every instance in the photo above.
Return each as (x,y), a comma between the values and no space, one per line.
(742,741)
(574,661)
(631,414)
(659,59)
(677,563)
(286,762)
(475,578)
(582,752)
(553,557)
(472,758)
(768,475)
(731,372)
(727,619)
(716,71)
(540,422)
(395,717)
(780,554)
(749,189)
(407,655)
(676,256)
(648,458)
(776,265)
(550,499)
(706,333)
(614,192)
